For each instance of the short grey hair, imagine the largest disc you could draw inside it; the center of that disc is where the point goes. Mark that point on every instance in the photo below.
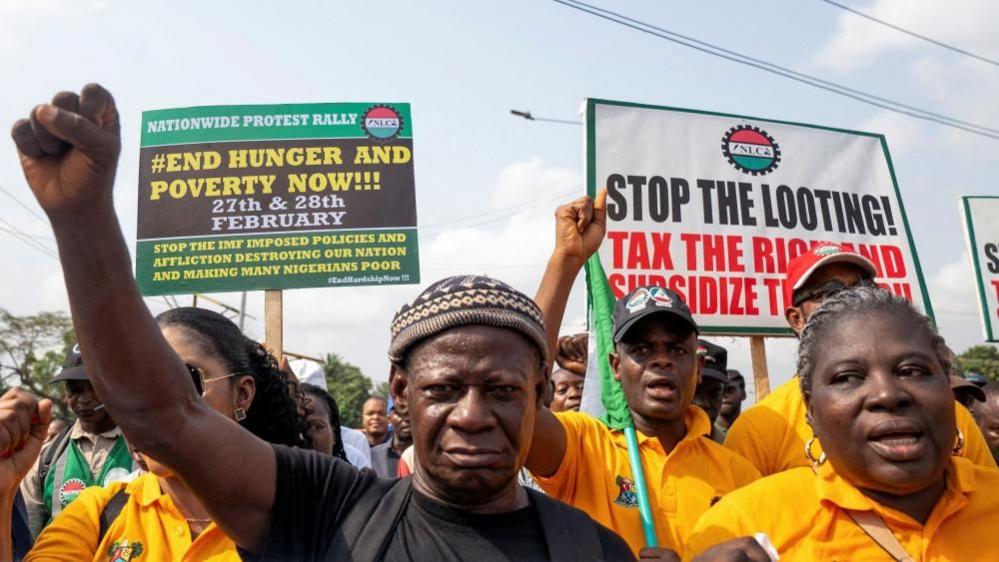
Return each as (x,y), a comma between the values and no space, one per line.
(861,300)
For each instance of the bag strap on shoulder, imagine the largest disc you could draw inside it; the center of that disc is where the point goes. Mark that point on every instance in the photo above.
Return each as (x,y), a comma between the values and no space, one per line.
(111,511)
(875,527)
(59,444)
(570,534)
(878,530)
(374,518)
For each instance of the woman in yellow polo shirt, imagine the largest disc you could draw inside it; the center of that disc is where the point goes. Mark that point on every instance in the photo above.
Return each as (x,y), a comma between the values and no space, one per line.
(890,486)
(156,517)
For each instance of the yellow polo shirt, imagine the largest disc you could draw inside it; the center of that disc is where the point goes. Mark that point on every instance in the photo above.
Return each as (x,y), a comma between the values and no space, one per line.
(149,522)
(595,476)
(772,434)
(805,519)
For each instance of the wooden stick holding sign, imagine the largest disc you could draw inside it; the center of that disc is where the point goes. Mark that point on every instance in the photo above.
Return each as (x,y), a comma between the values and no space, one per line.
(273,322)
(761,376)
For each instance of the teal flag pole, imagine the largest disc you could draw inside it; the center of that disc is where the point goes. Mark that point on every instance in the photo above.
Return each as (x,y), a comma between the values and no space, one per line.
(618,415)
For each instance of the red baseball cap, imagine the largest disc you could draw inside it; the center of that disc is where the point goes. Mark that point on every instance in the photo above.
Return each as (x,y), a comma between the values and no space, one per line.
(803,266)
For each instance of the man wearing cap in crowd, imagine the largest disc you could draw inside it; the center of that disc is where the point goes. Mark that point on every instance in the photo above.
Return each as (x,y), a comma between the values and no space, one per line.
(711,390)
(735,395)
(576,458)
(772,434)
(965,391)
(90,452)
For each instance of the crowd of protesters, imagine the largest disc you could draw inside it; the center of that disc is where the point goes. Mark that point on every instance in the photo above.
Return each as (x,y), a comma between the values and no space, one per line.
(191,443)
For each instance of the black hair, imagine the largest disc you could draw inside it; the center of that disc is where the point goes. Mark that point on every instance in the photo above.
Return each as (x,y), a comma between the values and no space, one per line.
(323,396)
(274,415)
(861,300)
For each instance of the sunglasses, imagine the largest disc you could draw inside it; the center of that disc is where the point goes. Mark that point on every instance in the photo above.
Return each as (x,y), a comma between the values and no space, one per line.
(198,376)
(829,289)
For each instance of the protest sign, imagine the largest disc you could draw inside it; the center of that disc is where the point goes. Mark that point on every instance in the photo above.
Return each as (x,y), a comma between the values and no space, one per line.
(981,228)
(714,206)
(236,198)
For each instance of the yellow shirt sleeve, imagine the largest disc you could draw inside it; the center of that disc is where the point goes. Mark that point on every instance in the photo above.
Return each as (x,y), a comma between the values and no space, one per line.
(722,523)
(976,449)
(749,438)
(72,535)
(578,427)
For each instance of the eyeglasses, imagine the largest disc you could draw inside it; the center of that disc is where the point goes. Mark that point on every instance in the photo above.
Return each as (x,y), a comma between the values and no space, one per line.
(829,289)
(198,376)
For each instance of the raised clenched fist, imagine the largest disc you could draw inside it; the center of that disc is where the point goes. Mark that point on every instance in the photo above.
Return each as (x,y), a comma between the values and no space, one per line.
(69,149)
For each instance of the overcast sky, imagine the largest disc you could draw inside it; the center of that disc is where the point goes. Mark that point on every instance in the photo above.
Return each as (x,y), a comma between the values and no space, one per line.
(487,183)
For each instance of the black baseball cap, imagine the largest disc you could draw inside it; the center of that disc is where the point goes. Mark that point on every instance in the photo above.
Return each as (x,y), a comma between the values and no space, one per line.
(72,367)
(645,301)
(715,361)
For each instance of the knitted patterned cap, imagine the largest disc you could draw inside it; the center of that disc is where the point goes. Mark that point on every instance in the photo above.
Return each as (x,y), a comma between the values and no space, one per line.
(465,300)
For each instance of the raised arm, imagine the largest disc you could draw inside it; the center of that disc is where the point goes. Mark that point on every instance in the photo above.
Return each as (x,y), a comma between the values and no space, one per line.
(579,229)
(69,153)
(24,422)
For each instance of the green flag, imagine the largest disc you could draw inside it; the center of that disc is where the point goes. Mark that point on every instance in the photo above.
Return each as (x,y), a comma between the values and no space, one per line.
(616,415)
(601,309)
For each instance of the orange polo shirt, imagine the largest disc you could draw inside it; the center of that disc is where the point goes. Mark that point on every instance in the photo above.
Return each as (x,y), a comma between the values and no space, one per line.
(772,434)
(149,527)
(809,522)
(595,476)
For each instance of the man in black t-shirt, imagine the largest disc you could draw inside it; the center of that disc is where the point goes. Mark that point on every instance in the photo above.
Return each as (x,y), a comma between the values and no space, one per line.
(470,352)
(468,357)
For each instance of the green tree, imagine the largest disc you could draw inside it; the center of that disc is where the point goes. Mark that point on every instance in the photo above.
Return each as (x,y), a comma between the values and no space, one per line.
(382,389)
(32,349)
(983,359)
(348,386)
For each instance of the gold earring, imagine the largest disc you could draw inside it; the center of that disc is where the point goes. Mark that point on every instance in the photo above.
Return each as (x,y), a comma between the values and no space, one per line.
(810,457)
(959,446)
(239,414)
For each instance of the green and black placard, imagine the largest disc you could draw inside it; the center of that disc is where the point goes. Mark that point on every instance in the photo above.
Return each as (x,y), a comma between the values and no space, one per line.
(236,198)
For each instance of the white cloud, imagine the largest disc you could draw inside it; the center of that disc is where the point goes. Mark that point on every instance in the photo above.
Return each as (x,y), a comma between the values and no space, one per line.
(955,304)
(522,182)
(19,17)
(901,131)
(858,43)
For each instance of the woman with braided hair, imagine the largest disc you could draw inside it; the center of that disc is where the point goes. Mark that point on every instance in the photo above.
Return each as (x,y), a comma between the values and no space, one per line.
(157,514)
(889,483)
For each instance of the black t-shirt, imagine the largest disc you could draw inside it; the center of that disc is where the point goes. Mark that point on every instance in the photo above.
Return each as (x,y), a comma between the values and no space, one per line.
(316,494)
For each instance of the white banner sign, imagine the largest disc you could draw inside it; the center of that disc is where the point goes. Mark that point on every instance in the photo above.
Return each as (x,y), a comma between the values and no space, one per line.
(714,206)
(981,226)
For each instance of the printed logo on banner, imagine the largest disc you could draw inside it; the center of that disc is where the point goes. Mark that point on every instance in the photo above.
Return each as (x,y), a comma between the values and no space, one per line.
(751,150)
(382,122)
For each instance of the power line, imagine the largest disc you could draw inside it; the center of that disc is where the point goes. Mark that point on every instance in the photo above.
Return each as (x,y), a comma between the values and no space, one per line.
(527,115)
(861,96)
(26,238)
(33,212)
(487,217)
(913,33)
